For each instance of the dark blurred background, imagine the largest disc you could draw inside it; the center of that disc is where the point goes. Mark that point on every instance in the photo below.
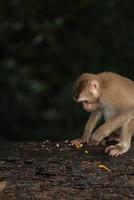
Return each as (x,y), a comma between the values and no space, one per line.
(44,46)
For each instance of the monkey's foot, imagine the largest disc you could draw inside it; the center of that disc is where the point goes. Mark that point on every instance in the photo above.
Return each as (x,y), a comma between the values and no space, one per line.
(78,141)
(116,150)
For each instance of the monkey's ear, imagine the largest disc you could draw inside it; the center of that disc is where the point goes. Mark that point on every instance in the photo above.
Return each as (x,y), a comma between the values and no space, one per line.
(94,87)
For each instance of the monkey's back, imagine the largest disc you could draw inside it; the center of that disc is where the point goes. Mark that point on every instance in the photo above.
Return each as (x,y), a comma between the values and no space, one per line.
(118,89)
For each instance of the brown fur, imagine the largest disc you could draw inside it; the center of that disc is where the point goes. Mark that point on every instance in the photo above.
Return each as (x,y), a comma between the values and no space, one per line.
(112,96)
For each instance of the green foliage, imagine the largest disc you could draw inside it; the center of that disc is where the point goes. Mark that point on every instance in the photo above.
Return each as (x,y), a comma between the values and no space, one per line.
(44,46)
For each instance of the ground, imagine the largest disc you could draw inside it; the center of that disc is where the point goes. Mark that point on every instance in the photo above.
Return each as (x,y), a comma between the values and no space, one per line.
(47,171)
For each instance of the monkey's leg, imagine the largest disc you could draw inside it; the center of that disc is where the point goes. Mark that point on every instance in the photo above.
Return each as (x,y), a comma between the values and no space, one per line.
(90,125)
(125,140)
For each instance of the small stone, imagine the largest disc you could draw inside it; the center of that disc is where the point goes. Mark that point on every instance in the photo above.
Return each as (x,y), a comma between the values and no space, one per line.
(66,141)
(57,145)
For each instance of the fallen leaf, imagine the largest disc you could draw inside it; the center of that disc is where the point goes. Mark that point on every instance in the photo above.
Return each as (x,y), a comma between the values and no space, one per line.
(101,166)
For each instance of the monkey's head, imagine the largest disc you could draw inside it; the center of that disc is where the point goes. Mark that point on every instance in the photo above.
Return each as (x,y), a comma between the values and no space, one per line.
(87,91)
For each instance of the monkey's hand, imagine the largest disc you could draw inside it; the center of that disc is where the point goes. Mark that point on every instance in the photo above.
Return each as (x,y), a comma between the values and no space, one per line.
(96,138)
(78,141)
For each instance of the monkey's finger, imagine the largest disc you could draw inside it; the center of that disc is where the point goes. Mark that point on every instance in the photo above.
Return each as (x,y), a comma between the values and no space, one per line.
(94,142)
(77,142)
(113,152)
(98,142)
(109,148)
(87,141)
(117,154)
(91,142)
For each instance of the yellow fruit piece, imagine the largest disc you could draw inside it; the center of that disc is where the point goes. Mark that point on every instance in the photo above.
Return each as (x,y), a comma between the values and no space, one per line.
(86,151)
(101,166)
(79,146)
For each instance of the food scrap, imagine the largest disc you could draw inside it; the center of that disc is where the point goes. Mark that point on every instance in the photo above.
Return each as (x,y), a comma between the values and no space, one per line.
(101,166)
(79,146)
(103,142)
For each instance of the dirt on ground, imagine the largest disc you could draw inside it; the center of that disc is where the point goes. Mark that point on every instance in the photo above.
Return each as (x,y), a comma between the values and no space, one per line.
(48,170)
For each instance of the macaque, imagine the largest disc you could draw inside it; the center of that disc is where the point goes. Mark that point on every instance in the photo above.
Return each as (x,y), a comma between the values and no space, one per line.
(112,96)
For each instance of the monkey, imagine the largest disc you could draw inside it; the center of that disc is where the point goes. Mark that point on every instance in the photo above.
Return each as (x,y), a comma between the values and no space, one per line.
(111,96)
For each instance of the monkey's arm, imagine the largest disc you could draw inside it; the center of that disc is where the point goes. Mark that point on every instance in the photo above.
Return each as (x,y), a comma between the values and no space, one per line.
(111,125)
(90,125)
